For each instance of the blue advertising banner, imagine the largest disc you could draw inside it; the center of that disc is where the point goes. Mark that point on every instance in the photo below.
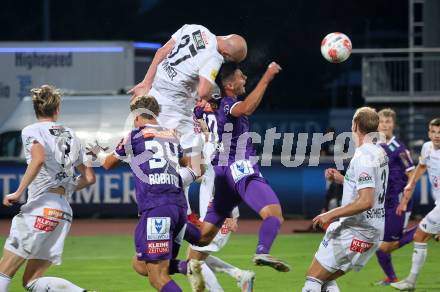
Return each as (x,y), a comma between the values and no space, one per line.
(301,191)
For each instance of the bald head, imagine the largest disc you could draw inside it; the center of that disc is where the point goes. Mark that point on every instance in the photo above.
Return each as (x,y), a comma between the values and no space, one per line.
(233,47)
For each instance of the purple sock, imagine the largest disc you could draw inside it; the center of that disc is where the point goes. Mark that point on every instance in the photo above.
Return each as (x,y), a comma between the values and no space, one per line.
(384,260)
(407,236)
(268,231)
(171,286)
(192,234)
(178,267)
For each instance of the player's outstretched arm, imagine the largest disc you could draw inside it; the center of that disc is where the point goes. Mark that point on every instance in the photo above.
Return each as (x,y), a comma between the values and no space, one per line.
(409,188)
(252,101)
(37,161)
(87,177)
(144,86)
(364,201)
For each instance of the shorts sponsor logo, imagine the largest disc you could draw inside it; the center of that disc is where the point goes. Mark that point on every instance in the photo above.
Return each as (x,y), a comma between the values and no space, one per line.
(360,246)
(45,224)
(240,169)
(324,242)
(158,228)
(58,214)
(158,247)
(365,178)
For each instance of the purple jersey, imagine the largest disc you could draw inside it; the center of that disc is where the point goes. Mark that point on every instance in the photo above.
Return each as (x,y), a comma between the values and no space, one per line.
(154,153)
(400,162)
(237,145)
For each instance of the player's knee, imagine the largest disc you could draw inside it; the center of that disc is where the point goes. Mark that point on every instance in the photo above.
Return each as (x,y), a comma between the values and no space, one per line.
(140,267)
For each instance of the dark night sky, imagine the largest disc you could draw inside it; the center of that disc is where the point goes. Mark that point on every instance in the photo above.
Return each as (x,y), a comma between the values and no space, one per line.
(288,32)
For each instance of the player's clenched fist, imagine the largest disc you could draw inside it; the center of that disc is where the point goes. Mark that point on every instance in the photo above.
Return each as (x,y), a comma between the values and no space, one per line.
(272,70)
(334,175)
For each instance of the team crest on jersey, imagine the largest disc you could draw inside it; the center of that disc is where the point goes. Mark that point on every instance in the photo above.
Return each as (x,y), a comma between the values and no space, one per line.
(158,228)
(198,40)
(364,178)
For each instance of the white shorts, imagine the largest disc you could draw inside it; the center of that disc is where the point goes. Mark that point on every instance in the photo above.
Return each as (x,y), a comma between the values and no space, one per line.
(344,249)
(39,230)
(185,125)
(431,222)
(206,193)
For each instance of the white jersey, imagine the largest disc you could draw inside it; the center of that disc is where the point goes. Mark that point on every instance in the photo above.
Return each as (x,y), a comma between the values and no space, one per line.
(194,54)
(368,169)
(63,151)
(431,158)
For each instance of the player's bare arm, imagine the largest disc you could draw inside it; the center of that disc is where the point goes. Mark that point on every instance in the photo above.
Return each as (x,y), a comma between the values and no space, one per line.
(334,175)
(37,162)
(205,88)
(252,101)
(87,177)
(409,188)
(364,201)
(144,86)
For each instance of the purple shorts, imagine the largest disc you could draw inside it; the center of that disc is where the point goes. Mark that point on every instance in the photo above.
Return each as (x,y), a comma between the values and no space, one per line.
(231,188)
(157,233)
(394,224)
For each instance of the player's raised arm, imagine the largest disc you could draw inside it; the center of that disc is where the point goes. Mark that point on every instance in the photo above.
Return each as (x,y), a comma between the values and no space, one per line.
(144,86)
(32,170)
(251,102)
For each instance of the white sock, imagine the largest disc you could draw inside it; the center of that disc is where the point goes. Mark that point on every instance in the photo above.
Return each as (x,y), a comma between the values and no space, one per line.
(211,281)
(312,285)
(219,266)
(52,284)
(5,280)
(330,286)
(418,260)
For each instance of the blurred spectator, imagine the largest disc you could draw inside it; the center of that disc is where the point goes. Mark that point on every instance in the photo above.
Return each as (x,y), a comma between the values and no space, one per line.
(327,148)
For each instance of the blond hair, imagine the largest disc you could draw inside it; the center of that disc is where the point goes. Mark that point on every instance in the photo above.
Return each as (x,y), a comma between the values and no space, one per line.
(366,119)
(148,107)
(388,113)
(46,100)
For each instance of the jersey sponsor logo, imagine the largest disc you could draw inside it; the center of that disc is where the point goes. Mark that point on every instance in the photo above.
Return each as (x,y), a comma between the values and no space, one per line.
(360,246)
(158,247)
(241,169)
(158,228)
(198,40)
(364,178)
(45,224)
(58,214)
(376,213)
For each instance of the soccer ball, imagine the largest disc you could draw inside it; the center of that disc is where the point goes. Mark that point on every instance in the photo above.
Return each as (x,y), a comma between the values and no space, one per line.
(336,47)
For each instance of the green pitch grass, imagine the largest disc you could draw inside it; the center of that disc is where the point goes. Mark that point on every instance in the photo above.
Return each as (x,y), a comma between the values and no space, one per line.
(103,263)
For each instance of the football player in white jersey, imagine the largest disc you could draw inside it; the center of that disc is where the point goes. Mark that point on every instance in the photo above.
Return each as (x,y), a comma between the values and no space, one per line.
(350,242)
(430,225)
(38,232)
(183,70)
